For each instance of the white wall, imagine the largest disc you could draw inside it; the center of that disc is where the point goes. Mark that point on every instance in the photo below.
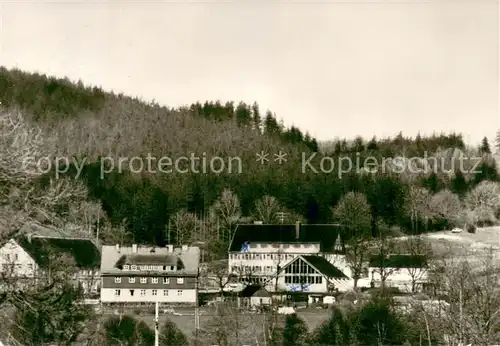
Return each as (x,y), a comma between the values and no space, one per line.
(263,259)
(16,260)
(108,296)
(284,248)
(399,277)
(255,301)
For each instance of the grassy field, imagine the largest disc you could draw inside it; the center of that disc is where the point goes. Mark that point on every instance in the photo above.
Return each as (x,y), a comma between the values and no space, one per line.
(466,243)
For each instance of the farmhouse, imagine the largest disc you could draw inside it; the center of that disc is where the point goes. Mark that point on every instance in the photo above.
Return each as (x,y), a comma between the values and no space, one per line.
(406,272)
(140,274)
(27,259)
(257,252)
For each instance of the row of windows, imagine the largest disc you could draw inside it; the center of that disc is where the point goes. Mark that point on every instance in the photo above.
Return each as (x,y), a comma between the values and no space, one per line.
(283,246)
(144,280)
(262,256)
(299,267)
(148,267)
(253,269)
(144,293)
(295,279)
(254,280)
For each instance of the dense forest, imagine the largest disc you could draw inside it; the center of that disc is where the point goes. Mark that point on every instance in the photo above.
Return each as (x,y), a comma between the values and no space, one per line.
(86,124)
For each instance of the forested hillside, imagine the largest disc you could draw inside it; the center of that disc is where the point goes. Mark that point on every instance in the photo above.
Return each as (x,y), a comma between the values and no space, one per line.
(86,124)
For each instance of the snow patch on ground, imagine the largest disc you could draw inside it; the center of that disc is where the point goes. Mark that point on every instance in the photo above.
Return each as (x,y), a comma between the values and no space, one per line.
(444,236)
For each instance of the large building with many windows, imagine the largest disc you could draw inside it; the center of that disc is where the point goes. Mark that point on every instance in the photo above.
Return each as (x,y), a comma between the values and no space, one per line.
(262,254)
(140,274)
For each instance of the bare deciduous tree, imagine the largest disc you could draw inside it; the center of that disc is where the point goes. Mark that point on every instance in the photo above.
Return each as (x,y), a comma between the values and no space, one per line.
(384,246)
(484,201)
(267,209)
(470,283)
(184,225)
(226,210)
(417,247)
(21,146)
(417,205)
(354,214)
(89,215)
(498,140)
(229,327)
(446,206)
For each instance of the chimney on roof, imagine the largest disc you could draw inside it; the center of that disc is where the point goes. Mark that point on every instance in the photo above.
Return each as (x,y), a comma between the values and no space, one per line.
(170,248)
(184,247)
(134,248)
(117,247)
(297,229)
(258,223)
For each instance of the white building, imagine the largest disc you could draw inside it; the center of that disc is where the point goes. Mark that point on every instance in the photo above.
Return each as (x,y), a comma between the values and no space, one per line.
(29,259)
(140,274)
(258,252)
(401,271)
(254,296)
(310,274)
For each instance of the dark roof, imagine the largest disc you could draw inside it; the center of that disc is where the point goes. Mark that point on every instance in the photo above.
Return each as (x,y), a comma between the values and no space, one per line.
(149,259)
(324,267)
(42,250)
(326,235)
(399,261)
(254,291)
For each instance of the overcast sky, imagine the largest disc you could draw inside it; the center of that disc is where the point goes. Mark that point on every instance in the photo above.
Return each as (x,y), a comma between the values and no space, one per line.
(331,68)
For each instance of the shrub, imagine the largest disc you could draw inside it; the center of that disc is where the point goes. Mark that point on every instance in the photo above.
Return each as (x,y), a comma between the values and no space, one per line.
(471,228)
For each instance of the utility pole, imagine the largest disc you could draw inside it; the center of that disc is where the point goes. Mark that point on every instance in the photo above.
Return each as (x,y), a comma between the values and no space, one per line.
(157,332)
(461,315)
(196,310)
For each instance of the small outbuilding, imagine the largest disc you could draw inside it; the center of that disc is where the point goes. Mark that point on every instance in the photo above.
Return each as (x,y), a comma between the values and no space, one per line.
(254,295)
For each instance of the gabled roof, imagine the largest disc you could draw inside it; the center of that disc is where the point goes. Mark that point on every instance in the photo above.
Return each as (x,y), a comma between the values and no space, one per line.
(398,261)
(43,249)
(320,264)
(113,258)
(324,267)
(254,291)
(151,259)
(325,235)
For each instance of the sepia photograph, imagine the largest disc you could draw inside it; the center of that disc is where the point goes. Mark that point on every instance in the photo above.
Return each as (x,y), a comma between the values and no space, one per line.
(249,172)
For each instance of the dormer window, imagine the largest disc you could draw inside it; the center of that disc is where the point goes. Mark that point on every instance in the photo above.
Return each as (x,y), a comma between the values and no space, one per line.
(126,267)
(134,267)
